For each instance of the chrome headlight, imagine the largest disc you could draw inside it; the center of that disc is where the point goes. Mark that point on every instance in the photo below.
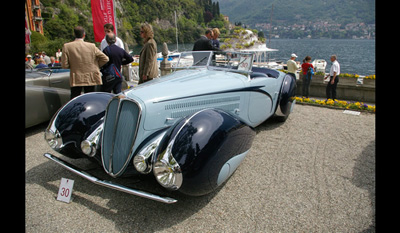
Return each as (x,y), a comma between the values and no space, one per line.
(53,138)
(89,146)
(142,161)
(167,170)
(141,164)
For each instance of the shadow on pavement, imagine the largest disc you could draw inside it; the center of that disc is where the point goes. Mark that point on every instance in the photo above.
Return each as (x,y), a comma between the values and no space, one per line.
(128,212)
(364,176)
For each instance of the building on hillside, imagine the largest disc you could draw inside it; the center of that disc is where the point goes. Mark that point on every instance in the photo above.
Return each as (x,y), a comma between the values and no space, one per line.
(226,18)
(33,16)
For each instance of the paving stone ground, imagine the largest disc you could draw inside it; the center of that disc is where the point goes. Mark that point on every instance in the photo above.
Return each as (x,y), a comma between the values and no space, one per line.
(313,173)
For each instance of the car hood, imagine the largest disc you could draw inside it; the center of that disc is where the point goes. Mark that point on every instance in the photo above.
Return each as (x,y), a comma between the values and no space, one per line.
(184,86)
(187,83)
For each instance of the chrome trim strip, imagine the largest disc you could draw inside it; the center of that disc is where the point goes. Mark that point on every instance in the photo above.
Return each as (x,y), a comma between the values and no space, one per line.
(108,184)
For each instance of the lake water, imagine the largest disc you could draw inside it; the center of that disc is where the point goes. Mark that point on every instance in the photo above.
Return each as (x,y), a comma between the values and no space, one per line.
(354,56)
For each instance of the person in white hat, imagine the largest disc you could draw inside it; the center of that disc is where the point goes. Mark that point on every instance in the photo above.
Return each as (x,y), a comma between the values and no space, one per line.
(292,66)
(29,62)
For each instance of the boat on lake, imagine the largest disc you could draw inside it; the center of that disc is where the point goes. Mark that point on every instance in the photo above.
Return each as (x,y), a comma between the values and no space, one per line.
(319,65)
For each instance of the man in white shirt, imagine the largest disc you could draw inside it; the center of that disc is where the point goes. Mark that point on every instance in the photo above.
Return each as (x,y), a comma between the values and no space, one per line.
(108,27)
(334,75)
(292,66)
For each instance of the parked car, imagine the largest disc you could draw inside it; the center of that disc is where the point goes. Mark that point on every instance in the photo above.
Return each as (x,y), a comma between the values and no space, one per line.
(45,92)
(190,129)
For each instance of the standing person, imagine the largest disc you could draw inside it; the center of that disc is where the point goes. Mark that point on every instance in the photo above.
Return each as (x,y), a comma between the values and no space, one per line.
(29,62)
(108,28)
(308,71)
(292,66)
(214,40)
(58,55)
(45,58)
(204,42)
(148,68)
(334,78)
(118,57)
(83,59)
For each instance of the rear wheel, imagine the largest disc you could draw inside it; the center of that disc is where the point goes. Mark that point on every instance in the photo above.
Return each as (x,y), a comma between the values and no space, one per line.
(281,118)
(286,100)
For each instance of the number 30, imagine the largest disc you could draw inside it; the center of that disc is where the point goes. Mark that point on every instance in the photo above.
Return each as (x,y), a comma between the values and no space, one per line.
(65,192)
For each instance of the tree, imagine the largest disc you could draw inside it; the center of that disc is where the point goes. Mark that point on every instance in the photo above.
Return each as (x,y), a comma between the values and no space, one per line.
(217,10)
(208,16)
(214,9)
(61,25)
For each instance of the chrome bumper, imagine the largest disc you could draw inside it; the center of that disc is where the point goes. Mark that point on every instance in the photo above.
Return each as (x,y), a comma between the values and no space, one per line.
(108,184)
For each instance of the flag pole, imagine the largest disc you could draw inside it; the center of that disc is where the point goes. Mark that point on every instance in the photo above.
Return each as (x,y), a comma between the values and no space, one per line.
(176,32)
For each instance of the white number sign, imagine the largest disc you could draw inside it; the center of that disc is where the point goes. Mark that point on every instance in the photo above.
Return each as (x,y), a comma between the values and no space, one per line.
(65,191)
(244,63)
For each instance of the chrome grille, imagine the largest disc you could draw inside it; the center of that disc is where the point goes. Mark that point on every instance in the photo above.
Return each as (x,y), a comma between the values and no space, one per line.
(120,129)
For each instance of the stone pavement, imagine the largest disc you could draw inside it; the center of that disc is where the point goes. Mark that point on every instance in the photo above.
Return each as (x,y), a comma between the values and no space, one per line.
(313,173)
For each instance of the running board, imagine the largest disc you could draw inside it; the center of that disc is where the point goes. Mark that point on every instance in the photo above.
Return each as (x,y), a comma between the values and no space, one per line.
(108,184)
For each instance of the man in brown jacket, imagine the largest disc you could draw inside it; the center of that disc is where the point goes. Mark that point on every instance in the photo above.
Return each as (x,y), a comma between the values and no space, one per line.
(83,59)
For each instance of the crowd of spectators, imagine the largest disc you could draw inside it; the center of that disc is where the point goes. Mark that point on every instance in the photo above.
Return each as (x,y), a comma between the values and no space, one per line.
(90,66)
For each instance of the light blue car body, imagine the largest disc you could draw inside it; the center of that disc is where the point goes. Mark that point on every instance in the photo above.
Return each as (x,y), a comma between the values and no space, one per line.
(192,128)
(170,98)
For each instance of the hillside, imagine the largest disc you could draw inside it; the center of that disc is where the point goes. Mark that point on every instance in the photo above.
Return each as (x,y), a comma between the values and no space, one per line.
(60,17)
(289,12)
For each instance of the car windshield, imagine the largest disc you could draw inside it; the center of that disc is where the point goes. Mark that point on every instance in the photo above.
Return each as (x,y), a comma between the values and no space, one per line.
(238,61)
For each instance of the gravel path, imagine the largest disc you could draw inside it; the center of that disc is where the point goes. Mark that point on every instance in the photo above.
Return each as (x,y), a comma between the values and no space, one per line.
(313,173)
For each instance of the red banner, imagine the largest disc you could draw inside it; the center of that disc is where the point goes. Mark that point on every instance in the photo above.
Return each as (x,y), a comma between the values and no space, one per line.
(102,13)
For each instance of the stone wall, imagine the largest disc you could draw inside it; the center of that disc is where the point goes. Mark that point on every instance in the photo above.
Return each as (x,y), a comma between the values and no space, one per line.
(347,89)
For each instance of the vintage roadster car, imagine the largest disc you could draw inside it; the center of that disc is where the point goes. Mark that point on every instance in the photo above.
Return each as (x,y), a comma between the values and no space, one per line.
(191,129)
(46,90)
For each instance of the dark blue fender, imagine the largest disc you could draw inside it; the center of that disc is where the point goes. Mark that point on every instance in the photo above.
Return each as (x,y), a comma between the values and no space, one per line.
(78,118)
(286,97)
(209,145)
